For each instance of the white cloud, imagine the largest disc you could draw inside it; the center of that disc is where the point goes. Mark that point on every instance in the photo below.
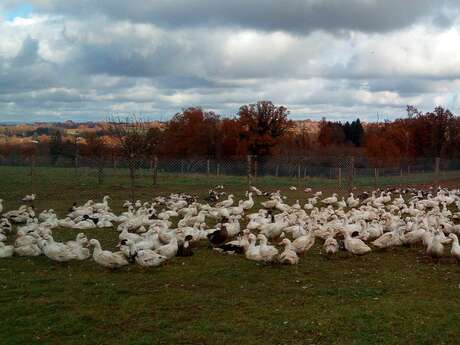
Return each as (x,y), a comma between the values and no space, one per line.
(85,66)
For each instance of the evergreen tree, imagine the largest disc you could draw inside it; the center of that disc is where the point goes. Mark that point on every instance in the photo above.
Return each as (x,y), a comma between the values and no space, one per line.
(356,133)
(55,146)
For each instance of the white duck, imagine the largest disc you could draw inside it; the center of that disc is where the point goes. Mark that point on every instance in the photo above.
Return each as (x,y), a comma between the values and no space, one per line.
(331,200)
(149,258)
(331,246)
(29,197)
(414,236)
(267,252)
(273,230)
(168,250)
(104,205)
(57,251)
(389,239)
(355,245)
(435,248)
(226,203)
(28,250)
(253,251)
(79,247)
(126,235)
(150,240)
(107,258)
(455,251)
(248,204)
(289,255)
(352,202)
(303,243)
(255,190)
(341,203)
(6,251)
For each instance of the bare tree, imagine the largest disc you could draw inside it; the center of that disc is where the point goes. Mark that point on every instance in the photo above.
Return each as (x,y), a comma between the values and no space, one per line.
(131,134)
(95,149)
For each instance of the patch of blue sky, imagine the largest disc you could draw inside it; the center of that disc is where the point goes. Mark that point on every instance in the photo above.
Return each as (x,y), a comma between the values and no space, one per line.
(22,11)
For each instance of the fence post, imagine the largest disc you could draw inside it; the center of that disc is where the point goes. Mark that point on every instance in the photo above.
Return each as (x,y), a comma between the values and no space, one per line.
(100,173)
(298,175)
(351,173)
(155,170)
(132,176)
(208,167)
(255,168)
(249,163)
(76,163)
(277,168)
(304,173)
(218,169)
(340,177)
(376,175)
(436,171)
(32,172)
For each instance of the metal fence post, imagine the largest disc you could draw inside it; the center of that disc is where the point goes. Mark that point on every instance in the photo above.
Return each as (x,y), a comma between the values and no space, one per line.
(249,163)
(255,168)
(32,172)
(76,163)
(351,173)
(436,171)
(376,176)
(208,167)
(218,169)
(298,175)
(155,170)
(277,168)
(132,167)
(100,173)
(340,177)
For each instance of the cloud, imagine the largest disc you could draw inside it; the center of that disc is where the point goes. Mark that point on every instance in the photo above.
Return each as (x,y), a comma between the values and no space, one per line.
(298,16)
(71,60)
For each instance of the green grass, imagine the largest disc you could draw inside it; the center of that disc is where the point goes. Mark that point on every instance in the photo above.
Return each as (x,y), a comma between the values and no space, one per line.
(387,297)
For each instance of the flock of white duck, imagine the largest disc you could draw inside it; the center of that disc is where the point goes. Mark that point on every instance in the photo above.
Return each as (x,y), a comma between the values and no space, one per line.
(152,233)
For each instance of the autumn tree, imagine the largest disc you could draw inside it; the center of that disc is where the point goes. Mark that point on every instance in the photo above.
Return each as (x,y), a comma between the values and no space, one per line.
(380,148)
(55,146)
(192,132)
(296,142)
(96,150)
(153,141)
(263,124)
(6,149)
(432,134)
(331,134)
(230,139)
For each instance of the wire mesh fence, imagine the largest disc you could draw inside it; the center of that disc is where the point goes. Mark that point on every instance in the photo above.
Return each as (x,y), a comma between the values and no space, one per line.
(97,177)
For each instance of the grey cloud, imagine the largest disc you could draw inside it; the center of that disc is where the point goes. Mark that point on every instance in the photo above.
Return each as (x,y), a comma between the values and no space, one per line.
(299,16)
(93,61)
(120,59)
(28,53)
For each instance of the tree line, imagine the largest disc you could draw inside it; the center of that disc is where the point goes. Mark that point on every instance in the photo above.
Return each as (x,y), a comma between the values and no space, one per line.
(260,129)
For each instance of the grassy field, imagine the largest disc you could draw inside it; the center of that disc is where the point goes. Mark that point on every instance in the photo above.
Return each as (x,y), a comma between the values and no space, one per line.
(387,297)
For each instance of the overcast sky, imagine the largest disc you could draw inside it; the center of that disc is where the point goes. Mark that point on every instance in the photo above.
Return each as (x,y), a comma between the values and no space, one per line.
(85,59)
